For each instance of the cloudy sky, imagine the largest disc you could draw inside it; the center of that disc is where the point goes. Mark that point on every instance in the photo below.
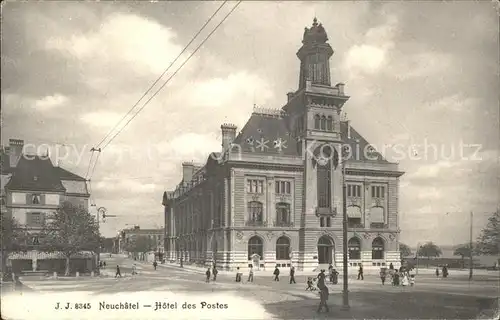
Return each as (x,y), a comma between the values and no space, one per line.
(422,76)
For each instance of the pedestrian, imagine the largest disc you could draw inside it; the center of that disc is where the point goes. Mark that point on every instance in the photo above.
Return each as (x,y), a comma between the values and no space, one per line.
(310,284)
(208,275)
(155,264)
(335,274)
(437,272)
(360,273)
(214,272)
(250,274)
(238,274)
(276,274)
(395,279)
(292,275)
(445,271)
(118,273)
(321,279)
(391,266)
(134,269)
(323,294)
(412,280)
(104,263)
(405,282)
(383,275)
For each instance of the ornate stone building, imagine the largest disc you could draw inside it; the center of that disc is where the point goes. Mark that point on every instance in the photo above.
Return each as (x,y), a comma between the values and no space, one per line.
(273,196)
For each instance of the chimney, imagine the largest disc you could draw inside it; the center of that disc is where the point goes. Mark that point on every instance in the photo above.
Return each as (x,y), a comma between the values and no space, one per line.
(340,87)
(290,96)
(187,171)
(228,135)
(16,151)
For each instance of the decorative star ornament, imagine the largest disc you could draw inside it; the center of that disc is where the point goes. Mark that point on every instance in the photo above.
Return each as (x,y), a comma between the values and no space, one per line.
(262,144)
(280,144)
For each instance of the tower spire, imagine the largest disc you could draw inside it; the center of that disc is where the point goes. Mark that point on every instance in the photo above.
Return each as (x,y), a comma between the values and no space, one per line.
(314,56)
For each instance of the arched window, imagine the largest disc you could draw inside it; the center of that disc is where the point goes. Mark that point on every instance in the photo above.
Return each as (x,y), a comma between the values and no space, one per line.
(283,248)
(378,249)
(317,121)
(323,175)
(255,246)
(282,214)
(329,123)
(354,249)
(323,123)
(255,210)
(325,250)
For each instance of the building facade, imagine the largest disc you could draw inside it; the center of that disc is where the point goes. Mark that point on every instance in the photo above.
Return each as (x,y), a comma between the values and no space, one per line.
(274,195)
(32,189)
(126,237)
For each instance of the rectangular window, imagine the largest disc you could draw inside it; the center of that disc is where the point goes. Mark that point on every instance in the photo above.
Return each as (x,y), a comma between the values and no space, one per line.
(378,192)
(35,199)
(35,219)
(255,186)
(322,222)
(283,187)
(353,190)
(328,222)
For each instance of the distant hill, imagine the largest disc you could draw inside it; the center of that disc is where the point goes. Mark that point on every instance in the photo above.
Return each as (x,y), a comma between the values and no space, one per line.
(448,251)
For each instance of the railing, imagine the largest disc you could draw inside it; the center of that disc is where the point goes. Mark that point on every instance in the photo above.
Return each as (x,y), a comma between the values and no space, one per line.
(378,225)
(283,224)
(255,223)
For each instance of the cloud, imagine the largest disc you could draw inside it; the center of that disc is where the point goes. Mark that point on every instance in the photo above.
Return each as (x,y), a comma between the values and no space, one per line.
(49,102)
(127,186)
(105,119)
(430,170)
(190,147)
(126,39)
(420,65)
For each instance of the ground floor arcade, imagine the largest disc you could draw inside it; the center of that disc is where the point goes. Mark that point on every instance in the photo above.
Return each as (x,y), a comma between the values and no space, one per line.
(306,250)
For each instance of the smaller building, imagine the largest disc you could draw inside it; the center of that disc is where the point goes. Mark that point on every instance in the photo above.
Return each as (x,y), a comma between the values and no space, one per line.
(126,238)
(32,190)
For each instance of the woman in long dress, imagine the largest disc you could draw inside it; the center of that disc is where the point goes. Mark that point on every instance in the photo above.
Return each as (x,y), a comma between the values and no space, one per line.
(405,282)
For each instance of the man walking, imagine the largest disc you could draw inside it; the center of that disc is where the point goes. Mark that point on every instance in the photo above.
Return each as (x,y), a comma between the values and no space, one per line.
(207,280)
(360,273)
(250,274)
(292,275)
(214,272)
(155,264)
(118,273)
(323,294)
(276,274)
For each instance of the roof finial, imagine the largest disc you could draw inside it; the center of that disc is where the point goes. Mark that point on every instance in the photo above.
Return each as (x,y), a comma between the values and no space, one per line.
(315,22)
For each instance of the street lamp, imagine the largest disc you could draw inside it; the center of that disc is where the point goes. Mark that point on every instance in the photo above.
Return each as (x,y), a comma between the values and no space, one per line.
(101,212)
(345,292)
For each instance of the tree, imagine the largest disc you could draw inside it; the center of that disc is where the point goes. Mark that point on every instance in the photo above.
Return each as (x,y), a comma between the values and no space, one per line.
(14,238)
(429,250)
(140,244)
(404,250)
(489,240)
(463,251)
(70,230)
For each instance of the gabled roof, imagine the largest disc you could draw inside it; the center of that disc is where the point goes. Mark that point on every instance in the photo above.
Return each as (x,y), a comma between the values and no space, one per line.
(358,144)
(35,174)
(66,175)
(267,134)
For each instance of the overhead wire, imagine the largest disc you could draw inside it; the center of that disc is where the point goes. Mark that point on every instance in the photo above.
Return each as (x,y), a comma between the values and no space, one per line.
(173,75)
(161,76)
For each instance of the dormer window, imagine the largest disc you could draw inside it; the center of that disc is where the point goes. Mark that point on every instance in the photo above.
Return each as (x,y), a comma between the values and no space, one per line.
(35,199)
(35,178)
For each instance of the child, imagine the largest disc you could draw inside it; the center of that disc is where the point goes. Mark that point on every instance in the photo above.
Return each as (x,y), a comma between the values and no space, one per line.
(310,286)
(412,280)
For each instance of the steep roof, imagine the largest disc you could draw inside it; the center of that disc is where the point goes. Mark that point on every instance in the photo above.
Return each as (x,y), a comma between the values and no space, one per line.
(358,144)
(66,175)
(36,174)
(267,134)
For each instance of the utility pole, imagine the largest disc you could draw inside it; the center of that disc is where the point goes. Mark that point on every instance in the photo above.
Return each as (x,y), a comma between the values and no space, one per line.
(470,249)
(345,292)
(100,212)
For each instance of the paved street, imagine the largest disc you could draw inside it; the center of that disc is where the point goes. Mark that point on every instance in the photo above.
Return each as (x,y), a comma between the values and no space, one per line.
(430,298)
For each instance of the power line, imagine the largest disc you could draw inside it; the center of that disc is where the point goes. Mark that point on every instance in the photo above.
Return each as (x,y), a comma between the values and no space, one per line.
(173,75)
(161,76)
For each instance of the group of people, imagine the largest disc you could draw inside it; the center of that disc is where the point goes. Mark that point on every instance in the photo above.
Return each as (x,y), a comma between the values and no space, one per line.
(213,272)
(398,277)
(444,271)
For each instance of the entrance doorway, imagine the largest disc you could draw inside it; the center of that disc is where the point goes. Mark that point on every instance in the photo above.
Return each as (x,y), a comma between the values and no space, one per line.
(326,250)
